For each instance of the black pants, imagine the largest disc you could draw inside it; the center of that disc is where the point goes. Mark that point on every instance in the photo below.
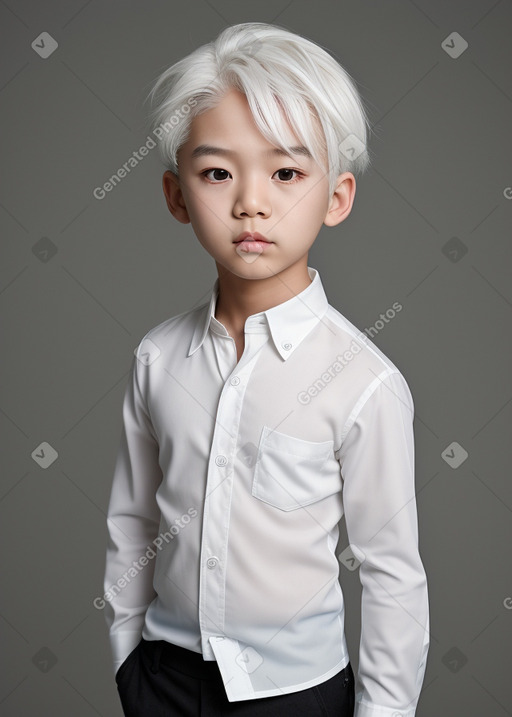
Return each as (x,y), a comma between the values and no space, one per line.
(158,679)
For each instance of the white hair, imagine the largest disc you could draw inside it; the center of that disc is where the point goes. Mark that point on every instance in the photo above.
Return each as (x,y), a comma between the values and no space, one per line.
(278,71)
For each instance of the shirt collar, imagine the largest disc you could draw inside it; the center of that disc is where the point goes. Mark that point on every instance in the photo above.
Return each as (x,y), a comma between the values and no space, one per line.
(289,323)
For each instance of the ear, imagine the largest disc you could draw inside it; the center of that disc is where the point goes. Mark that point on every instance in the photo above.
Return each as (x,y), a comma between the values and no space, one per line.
(342,199)
(174,197)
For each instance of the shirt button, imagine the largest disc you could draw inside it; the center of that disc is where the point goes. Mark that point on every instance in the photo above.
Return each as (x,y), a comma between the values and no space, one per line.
(235,381)
(211,563)
(287,346)
(221,460)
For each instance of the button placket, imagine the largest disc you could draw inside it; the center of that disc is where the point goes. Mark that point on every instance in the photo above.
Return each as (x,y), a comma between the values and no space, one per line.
(216,510)
(217,503)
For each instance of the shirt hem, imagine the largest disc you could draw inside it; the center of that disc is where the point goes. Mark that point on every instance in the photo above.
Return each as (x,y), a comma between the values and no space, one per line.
(289,689)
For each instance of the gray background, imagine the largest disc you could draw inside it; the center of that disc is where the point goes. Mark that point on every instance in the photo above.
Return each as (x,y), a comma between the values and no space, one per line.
(82,280)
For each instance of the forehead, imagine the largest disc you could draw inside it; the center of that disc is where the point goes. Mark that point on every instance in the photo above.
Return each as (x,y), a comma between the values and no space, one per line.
(231,122)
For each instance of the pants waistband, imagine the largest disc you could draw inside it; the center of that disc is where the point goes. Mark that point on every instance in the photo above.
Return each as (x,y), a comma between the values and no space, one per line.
(180,659)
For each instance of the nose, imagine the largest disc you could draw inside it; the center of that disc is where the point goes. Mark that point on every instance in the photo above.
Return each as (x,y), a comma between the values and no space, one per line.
(252,198)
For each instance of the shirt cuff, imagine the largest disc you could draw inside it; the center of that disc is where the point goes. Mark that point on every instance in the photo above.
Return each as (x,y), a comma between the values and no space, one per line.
(366,709)
(121,644)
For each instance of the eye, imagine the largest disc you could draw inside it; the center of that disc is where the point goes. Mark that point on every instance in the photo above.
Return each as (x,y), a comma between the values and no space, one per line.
(287,178)
(217,178)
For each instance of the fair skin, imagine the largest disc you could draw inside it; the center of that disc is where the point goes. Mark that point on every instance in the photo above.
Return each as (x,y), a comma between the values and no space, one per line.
(222,194)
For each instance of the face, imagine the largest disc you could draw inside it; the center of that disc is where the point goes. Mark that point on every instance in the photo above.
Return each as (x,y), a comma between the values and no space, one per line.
(232,180)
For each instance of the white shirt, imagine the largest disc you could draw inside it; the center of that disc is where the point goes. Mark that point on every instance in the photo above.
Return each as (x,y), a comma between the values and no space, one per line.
(229,484)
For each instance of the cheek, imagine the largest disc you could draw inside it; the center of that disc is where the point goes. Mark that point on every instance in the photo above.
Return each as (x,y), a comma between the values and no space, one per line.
(309,211)
(320,207)
(204,213)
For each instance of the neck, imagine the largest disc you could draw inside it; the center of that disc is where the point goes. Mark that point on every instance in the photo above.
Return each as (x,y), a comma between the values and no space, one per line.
(239,298)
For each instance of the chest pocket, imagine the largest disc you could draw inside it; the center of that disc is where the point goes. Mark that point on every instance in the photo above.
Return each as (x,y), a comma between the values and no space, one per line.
(291,473)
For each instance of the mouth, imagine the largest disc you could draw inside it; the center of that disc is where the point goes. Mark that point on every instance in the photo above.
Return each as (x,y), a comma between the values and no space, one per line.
(251,237)
(252,243)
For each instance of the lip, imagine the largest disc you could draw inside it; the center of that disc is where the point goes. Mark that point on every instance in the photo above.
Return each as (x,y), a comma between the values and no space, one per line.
(252,236)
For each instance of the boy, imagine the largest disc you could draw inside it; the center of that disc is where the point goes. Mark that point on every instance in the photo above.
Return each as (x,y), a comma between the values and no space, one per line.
(252,423)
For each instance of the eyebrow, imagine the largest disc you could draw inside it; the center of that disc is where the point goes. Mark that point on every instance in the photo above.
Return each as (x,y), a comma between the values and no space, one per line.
(208,149)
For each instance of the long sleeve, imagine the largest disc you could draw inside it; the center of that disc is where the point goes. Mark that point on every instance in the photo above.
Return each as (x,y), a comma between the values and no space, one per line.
(132,524)
(377,463)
